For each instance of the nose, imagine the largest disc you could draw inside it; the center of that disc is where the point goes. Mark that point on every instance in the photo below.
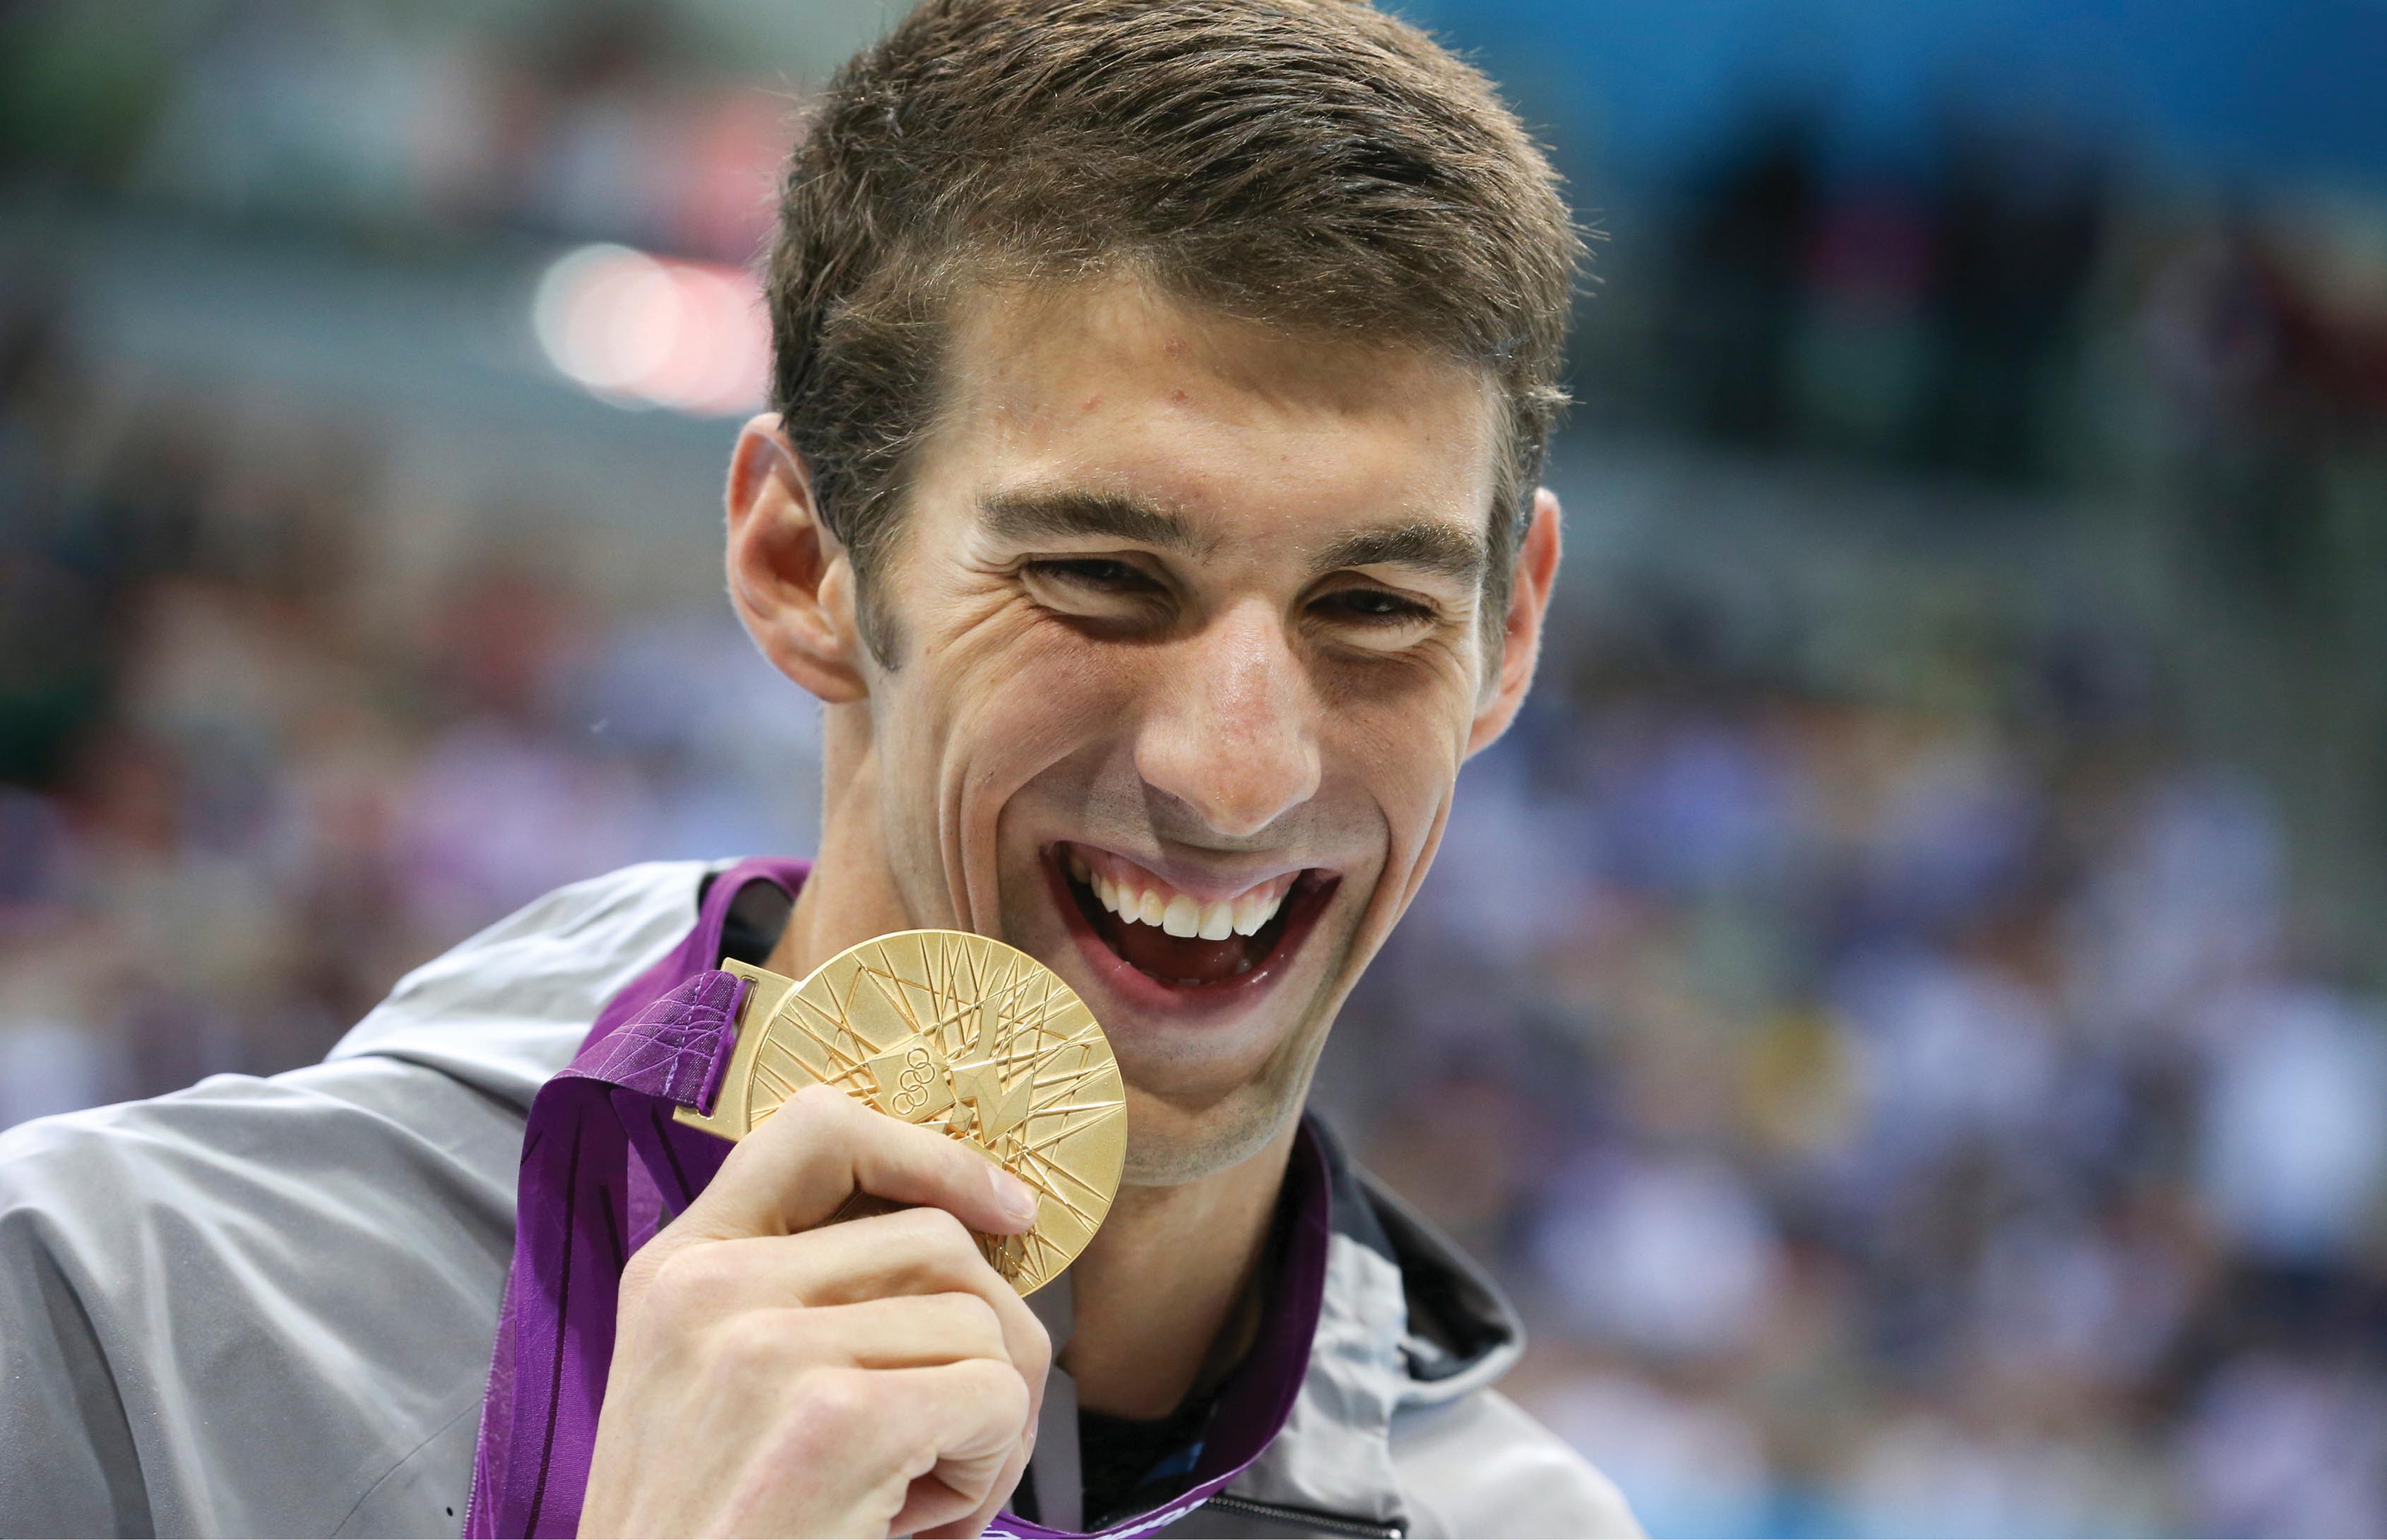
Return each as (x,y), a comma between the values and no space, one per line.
(1233,733)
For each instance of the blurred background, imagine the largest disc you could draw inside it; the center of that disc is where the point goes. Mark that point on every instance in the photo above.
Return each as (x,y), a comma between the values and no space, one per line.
(1902,1011)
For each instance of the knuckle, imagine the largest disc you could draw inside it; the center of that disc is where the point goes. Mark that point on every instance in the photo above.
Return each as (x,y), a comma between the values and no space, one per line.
(678,1285)
(826,1409)
(639,1273)
(973,1317)
(820,1100)
(936,1231)
(816,1110)
(1003,1392)
(1037,1358)
(776,1345)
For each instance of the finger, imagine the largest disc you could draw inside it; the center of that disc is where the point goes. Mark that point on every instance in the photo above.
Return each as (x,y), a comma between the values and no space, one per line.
(912,1252)
(917,1331)
(859,1446)
(976,1418)
(822,1146)
(917,1251)
(921,1515)
(974,1522)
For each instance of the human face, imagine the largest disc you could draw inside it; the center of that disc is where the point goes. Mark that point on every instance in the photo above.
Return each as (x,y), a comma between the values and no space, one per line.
(1190,628)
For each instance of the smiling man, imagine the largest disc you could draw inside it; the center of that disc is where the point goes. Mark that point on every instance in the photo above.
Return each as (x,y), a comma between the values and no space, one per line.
(1149,496)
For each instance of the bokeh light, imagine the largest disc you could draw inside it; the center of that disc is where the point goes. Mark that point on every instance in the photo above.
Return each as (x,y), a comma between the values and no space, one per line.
(640,331)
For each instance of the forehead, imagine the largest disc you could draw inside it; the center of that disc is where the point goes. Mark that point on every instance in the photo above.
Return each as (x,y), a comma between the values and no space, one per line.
(1114,387)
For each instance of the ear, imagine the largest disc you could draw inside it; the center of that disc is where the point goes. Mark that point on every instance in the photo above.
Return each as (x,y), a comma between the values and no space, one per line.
(1529,601)
(789,579)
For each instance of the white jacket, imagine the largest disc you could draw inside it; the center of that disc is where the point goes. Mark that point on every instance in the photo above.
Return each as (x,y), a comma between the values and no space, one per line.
(265,1307)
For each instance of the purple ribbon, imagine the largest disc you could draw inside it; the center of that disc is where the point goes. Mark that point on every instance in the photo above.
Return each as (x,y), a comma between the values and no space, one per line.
(604,1167)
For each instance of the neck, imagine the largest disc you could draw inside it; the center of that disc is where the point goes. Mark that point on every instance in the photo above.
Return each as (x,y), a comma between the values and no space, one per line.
(851,895)
(1163,1297)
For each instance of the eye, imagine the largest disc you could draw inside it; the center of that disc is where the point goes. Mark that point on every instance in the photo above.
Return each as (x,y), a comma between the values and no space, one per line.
(1373,607)
(1102,591)
(1094,574)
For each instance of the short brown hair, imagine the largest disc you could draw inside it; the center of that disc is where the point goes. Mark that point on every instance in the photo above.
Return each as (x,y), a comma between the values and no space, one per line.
(1309,164)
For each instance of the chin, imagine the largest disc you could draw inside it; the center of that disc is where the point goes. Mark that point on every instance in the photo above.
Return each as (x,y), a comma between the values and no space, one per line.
(1169,1144)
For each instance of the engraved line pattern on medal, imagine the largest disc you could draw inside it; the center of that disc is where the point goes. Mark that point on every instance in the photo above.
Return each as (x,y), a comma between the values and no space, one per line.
(939,1018)
(848,1064)
(1023,1040)
(1036,1163)
(982,1013)
(848,1075)
(1033,1164)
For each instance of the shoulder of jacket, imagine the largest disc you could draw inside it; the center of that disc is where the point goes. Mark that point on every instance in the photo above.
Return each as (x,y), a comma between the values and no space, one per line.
(231,1141)
(196,1299)
(355,1136)
(1480,1465)
(506,1009)
(570,941)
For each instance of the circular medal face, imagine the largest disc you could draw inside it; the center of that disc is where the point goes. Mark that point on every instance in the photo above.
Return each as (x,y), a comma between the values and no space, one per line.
(966,1035)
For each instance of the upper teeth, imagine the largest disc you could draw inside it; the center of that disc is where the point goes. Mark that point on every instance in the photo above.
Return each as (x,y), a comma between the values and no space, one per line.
(1140,898)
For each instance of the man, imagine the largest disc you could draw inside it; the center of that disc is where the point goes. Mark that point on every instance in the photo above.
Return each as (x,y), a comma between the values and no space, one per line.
(1159,398)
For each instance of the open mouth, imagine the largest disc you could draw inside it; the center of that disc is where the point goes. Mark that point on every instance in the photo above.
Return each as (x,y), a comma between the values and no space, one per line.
(1179,939)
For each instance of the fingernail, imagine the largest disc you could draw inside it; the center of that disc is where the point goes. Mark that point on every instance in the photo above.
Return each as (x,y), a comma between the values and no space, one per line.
(1015,1197)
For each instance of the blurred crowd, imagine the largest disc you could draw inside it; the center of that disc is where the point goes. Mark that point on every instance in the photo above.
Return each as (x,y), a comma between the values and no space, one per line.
(1895,1069)
(253,764)
(612,121)
(2004,306)
(1892,1063)
(1895,1120)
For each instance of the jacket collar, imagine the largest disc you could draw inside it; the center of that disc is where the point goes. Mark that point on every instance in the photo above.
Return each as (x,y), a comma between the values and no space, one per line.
(1406,1320)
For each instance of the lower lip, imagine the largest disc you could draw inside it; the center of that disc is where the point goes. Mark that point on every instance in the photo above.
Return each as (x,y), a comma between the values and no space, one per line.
(1141,992)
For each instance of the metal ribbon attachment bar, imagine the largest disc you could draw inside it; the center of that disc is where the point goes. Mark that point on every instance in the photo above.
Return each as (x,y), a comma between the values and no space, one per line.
(959,1032)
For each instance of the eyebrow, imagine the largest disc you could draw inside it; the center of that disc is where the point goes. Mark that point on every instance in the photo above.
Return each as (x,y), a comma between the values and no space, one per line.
(1021,517)
(1442,549)
(1426,546)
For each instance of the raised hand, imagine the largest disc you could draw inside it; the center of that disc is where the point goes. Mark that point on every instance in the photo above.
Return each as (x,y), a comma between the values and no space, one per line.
(774,1374)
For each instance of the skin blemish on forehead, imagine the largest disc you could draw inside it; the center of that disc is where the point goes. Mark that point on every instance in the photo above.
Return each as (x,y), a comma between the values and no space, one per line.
(1177,397)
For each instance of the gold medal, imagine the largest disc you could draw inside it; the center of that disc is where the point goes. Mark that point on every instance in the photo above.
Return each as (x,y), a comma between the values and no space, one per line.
(961,1033)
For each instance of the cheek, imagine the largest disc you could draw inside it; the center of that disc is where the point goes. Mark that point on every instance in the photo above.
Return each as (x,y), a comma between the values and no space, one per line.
(1402,735)
(1019,690)
(1408,761)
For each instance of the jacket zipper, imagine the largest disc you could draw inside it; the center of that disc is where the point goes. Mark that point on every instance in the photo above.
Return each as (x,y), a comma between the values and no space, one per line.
(1285,1513)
